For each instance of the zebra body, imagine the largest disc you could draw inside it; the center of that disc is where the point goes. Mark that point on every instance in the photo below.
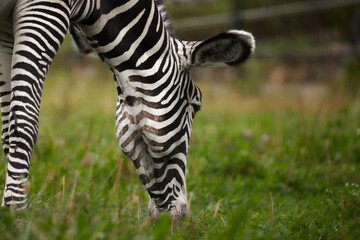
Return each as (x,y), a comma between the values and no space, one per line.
(157,99)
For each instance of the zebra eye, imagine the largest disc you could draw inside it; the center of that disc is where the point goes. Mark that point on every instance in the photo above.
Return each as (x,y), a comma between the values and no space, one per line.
(196,107)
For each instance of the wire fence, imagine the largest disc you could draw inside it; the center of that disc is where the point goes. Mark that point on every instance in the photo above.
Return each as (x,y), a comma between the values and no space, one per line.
(256,14)
(260,13)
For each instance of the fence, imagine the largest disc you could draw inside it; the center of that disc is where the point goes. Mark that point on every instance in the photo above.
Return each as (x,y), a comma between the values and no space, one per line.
(257,14)
(261,13)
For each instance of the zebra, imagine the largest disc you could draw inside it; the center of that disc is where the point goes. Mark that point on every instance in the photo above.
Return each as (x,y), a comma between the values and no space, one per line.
(157,99)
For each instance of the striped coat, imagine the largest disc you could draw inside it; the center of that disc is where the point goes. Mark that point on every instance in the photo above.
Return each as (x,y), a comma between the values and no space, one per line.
(157,98)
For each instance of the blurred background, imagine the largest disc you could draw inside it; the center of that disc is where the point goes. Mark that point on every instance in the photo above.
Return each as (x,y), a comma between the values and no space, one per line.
(303,46)
(299,43)
(306,67)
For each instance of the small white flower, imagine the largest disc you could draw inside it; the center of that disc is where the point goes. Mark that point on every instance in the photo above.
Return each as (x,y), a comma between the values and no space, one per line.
(247,133)
(265,138)
(346,184)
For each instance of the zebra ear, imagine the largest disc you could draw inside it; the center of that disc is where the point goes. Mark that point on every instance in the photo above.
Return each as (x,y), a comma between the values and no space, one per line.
(232,47)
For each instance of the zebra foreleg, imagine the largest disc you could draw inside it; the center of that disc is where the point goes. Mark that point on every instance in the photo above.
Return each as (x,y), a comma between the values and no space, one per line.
(39,29)
(6,50)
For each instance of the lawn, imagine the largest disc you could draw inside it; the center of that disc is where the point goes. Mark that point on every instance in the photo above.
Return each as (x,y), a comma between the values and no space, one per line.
(282,163)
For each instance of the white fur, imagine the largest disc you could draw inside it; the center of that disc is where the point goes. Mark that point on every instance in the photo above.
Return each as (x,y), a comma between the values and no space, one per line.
(248,37)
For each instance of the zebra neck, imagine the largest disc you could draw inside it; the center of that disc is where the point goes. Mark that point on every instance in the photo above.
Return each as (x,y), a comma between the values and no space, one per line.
(132,40)
(130,36)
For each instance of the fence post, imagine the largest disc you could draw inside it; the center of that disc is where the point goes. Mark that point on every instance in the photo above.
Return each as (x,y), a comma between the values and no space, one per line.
(354,32)
(235,11)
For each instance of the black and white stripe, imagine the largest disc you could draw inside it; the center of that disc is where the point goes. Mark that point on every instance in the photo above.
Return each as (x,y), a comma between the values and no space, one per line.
(157,99)
(38,28)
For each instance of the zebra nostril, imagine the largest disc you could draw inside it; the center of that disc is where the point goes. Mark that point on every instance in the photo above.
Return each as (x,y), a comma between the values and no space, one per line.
(179,212)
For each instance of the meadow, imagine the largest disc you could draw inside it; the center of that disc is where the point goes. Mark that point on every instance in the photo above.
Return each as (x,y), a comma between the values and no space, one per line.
(265,162)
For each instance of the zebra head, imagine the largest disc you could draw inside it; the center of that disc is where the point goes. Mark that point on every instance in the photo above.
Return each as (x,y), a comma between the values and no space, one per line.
(157,98)
(155,112)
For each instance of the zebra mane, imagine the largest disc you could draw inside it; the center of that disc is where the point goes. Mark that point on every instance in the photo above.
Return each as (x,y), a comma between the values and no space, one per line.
(165,16)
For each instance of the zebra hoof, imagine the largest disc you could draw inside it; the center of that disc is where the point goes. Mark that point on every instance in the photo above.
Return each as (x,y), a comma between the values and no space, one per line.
(13,201)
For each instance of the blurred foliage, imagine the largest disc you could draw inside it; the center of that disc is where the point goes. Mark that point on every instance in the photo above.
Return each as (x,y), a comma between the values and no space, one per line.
(267,165)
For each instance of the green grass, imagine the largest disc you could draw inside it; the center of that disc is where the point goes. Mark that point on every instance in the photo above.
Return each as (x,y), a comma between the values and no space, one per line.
(295,176)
